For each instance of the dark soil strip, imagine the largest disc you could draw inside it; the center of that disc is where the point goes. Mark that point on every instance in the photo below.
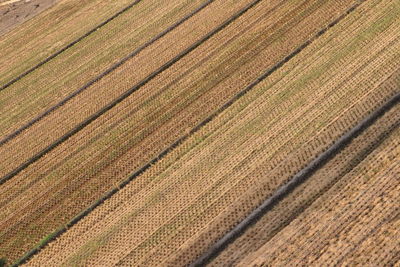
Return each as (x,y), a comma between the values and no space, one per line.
(100,76)
(68,46)
(298,179)
(137,173)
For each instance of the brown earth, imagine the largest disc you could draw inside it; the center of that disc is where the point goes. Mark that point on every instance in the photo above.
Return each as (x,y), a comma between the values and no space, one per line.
(203,187)
(13,13)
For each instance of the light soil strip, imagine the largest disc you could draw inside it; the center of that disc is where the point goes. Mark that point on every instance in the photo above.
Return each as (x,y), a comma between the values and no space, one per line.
(9,2)
(202,183)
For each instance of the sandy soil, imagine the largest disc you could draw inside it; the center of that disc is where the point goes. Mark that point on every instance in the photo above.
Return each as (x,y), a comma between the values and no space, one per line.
(15,12)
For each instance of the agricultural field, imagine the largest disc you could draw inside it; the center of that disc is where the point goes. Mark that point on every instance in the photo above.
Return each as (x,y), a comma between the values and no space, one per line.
(134,133)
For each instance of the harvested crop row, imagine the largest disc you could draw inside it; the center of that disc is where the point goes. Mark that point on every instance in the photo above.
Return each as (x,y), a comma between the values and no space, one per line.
(147,221)
(115,84)
(305,194)
(81,205)
(75,195)
(151,89)
(81,63)
(203,240)
(47,33)
(358,214)
(54,191)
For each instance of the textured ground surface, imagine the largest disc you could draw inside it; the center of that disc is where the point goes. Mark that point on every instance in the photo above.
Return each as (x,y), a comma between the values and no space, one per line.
(139,134)
(15,12)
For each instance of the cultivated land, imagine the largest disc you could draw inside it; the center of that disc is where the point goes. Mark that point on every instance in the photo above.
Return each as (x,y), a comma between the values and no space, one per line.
(50,31)
(356,222)
(136,136)
(72,69)
(187,124)
(212,180)
(377,139)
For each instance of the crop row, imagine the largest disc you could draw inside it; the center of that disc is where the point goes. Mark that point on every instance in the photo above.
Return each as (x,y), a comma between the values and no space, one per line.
(138,117)
(79,66)
(114,88)
(45,34)
(304,195)
(96,193)
(212,168)
(69,45)
(215,228)
(52,191)
(354,223)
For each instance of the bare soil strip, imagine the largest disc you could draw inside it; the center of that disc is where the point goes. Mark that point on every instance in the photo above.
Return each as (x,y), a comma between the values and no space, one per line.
(69,45)
(204,175)
(16,12)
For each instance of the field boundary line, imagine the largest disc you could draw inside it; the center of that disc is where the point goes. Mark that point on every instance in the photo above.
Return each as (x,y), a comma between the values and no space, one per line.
(102,75)
(137,173)
(294,182)
(41,63)
(123,96)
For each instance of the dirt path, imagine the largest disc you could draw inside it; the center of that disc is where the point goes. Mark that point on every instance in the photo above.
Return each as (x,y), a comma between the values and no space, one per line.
(15,12)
